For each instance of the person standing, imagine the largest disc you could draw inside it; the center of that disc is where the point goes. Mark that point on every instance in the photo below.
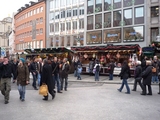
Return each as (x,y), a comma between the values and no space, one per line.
(156,65)
(111,69)
(55,73)
(64,74)
(124,75)
(147,77)
(97,70)
(39,70)
(138,76)
(91,65)
(15,65)
(34,71)
(7,71)
(79,71)
(22,78)
(46,78)
(144,63)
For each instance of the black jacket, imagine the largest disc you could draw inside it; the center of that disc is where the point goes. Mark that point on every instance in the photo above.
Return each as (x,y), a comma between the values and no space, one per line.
(111,67)
(7,70)
(65,71)
(55,67)
(147,75)
(138,72)
(33,67)
(125,72)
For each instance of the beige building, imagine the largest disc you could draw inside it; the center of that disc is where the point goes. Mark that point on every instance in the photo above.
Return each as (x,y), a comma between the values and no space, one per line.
(5,28)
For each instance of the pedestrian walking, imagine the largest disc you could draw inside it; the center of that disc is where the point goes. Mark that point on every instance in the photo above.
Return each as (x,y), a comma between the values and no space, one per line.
(91,66)
(147,77)
(96,70)
(39,70)
(46,78)
(111,69)
(124,75)
(22,78)
(7,71)
(138,76)
(15,65)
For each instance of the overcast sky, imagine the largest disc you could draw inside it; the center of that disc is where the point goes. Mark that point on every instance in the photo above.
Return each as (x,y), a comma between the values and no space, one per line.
(7,7)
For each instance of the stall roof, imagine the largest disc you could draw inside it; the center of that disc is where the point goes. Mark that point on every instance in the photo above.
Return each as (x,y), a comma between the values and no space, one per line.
(48,50)
(106,48)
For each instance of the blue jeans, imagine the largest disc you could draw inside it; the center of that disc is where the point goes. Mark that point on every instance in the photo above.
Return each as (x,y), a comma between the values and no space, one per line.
(96,75)
(22,91)
(78,76)
(57,81)
(75,73)
(124,82)
(39,78)
(34,80)
(110,76)
(155,79)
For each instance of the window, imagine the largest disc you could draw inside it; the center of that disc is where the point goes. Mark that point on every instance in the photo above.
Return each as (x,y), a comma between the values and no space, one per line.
(107,20)
(117,4)
(63,14)
(155,11)
(107,5)
(89,22)
(31,13)
(74,24)
(41,20)
(63,3)
(62,41)
(90,6)
(98,21)
(28,14)
(62,27)
(81,11)
(41,43)
(138,2)
(68,13)
(127,3)
(98,7)
(34,12)
(69,2)
(68,40)
(41,9)
(68,25)
(56,15)
(57,41)
(74,40)
(56,27)
(37,20)
(41,30)
(127,17)
(139,15)
(51,4)
(154,33)
(94,37)
(75,12)
(51,16)
(52,27)
(116,18)
(57,3)
(37,10)
(134,34)
(81,24)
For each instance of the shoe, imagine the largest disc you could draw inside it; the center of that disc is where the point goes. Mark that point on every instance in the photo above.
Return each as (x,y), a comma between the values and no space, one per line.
(6,102)
(20,97)
(119,90)
(22,100)
(45,99)
(143,94)
(149,94)
(35,88)
(158,92)
(133,90)
(127,93)
(59,92)
(65,89)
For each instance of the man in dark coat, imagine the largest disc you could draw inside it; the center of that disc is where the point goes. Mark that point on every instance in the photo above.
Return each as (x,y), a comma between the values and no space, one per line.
(144,63)
(156,65)
(147,77)
(15,66)
(111,69)
(138,76)
(46,78)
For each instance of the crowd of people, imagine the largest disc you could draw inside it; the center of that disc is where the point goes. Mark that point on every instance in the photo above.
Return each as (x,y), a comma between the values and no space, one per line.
(52,72)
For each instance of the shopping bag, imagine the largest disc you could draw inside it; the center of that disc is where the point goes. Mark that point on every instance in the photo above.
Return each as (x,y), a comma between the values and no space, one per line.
(43,90)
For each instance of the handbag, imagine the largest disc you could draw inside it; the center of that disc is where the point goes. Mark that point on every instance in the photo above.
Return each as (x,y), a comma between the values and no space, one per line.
(43,90)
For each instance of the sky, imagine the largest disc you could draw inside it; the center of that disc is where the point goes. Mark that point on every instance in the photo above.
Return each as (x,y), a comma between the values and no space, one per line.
(7,7)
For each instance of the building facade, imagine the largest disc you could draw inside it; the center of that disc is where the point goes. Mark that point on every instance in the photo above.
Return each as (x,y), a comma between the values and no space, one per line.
(65,23)
(30,26)
(116,22)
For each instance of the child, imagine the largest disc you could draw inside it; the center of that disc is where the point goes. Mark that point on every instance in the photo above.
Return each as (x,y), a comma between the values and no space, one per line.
(79,71)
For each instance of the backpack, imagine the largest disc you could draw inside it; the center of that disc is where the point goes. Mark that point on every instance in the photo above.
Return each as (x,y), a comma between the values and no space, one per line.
(97,68)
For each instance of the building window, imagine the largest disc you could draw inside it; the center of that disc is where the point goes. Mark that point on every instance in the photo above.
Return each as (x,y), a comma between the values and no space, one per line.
(57,41)
(34,12)
(51,4)
(56,15)
(69,2)
(56,27)
(51,16)
(41,30)
(138,2)
(68,13)
(127,17)
(31,13)
(154,33)
(41,43)
(133,34)
(41,9)
(62,41)
(81,24)
(127,3)
(62,27)
(139,15)
(41,20)
(68,25)
(63,14)
(94,37)
(51,27)
(57,3)
(74,25)
(68,40)
(90,4)
(37,20)
(112,35)
(107,5)
(98,21)
(107,20)
(75,12)
(116,18)
(28,14)
(37,10)
(74,40)
(155,11)
(63,3)
(81,11)
(89,22)
(98,6)
(117,4)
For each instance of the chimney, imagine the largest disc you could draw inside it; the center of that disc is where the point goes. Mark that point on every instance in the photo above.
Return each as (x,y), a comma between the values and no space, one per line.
(22,8)
(32,2)
(27,5)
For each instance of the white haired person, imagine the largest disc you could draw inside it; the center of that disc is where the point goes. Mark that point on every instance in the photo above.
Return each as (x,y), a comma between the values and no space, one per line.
(147,77)
(138,76)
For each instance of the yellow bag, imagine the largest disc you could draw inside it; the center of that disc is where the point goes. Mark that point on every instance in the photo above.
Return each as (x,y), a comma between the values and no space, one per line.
(43,90)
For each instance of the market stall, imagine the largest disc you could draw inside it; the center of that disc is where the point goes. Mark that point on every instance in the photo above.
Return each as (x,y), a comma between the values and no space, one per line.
(105,54)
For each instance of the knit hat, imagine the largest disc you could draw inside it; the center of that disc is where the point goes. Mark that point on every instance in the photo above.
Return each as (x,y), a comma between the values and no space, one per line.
(22,59)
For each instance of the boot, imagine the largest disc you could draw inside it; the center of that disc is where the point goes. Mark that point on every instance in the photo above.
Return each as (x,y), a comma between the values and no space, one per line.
(159,89)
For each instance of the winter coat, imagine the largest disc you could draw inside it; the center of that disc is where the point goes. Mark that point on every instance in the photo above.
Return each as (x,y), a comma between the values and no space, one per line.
(22,75)
(156,65)
(138,72)
(65,71)
(125,72)
(111,68)
(147,75)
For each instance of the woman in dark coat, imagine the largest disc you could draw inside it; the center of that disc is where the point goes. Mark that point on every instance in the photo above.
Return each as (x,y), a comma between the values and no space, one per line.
(147,77)
(46,78)
(111,70)
(125,74)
